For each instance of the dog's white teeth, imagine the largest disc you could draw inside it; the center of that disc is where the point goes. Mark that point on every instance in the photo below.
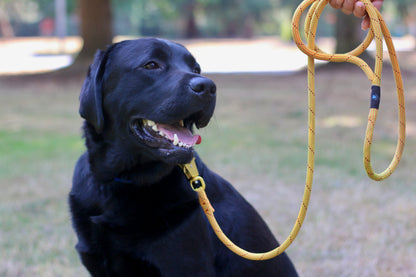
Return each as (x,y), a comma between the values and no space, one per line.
(150,123)
(175,139)
(176,142)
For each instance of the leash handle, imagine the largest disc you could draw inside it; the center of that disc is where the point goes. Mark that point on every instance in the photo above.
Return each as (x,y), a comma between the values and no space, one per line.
(378,31)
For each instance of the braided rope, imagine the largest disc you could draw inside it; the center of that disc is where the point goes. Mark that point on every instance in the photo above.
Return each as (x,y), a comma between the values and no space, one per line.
(378,31)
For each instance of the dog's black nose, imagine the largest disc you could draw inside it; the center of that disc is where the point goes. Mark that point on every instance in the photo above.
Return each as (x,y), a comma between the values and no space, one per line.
(202,85)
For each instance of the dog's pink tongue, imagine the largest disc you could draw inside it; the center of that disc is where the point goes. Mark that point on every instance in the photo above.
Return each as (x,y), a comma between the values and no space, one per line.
(184,135)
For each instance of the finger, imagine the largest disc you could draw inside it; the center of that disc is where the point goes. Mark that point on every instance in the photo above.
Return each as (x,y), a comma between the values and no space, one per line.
(365,24)
(336,4)
(378,4)
(359,9)
(348,6)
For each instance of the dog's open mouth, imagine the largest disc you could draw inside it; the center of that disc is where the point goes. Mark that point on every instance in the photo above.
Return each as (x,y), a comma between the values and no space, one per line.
(167,136)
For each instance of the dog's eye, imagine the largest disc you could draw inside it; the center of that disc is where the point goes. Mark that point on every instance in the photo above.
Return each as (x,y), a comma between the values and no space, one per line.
(197,70)
(151,65)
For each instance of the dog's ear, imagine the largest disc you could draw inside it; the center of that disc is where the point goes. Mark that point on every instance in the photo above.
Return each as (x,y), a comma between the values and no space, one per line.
(91,98)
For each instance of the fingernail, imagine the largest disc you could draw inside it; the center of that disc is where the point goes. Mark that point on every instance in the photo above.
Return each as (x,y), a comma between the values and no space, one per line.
(360,5)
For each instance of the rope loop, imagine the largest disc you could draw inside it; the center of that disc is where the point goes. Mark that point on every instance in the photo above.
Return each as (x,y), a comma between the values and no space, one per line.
(378,32)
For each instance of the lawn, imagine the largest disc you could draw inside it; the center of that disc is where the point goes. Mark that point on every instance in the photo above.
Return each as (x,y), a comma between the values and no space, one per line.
(257,140)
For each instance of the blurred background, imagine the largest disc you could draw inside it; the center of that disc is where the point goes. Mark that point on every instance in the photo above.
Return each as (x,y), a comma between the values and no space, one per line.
(354,226)
(45,34)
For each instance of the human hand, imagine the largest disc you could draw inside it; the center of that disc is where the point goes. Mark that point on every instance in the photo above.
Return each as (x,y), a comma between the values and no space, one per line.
(357,8)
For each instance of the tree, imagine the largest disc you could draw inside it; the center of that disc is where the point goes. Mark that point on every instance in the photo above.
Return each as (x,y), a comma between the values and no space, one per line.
(191,28)
(95,29)
(348,35)
(6,29)
(346,32)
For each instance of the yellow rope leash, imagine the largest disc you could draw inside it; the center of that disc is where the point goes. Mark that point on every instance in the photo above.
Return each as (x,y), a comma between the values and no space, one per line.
(378,31)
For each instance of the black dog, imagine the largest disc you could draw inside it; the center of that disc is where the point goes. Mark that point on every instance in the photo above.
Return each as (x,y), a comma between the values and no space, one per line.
(133,209)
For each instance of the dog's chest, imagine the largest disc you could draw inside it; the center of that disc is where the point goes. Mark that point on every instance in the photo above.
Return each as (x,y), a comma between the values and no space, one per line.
(156,253)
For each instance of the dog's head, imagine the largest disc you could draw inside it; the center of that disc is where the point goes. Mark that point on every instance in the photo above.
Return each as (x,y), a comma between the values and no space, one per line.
(147,95)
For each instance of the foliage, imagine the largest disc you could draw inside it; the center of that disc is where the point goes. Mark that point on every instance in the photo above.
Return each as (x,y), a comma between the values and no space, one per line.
(182,18)
(25,15)
(166,18)
(212,18)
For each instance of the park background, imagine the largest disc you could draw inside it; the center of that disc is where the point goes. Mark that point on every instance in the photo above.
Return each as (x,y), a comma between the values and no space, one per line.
(257,138)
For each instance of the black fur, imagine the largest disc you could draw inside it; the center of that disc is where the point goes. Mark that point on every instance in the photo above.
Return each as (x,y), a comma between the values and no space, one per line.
(132,207)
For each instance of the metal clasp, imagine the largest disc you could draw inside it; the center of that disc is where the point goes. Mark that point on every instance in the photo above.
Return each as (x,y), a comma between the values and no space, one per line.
(192,174)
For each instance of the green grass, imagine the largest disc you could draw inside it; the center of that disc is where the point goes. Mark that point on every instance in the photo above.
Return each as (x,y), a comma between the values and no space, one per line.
(257,140)
(26,148)
(40,142)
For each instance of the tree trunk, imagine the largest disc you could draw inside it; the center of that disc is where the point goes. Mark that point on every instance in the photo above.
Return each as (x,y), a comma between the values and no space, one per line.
(6,29)
(191,28)
(349,35)
(95,29)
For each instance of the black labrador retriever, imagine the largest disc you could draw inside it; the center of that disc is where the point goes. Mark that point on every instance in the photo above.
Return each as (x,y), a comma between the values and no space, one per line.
(132,207)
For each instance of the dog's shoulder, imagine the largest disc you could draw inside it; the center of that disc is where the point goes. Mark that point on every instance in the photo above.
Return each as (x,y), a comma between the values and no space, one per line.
(82,174)
(84,194)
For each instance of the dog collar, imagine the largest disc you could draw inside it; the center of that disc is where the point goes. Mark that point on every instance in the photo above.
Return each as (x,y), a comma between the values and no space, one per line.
(123,181)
